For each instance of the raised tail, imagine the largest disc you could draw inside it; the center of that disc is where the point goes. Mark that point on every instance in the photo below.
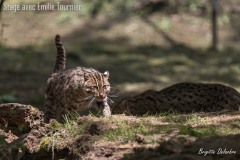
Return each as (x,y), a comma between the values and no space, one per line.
(61,55)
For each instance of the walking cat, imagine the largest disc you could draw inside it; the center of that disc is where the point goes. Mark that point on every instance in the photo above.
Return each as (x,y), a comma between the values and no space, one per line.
(74,89)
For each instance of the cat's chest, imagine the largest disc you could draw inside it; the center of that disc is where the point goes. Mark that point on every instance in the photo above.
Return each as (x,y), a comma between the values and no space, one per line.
(78,104)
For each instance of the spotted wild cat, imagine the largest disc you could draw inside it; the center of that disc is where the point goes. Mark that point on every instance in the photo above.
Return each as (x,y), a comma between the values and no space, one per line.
(74,89)
(183,97)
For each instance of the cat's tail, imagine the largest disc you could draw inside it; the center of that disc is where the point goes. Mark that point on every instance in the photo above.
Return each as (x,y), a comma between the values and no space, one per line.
(61,55)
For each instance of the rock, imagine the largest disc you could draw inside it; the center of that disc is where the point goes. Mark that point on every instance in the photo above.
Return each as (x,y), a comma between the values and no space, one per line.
(139,138)
(16,121)
(95,126)
(19,118)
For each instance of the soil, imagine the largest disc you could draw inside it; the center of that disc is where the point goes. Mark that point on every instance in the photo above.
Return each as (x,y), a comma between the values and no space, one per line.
(90,145)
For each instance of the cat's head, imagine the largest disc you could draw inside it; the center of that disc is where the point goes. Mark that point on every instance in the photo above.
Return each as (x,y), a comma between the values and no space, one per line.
(97,85)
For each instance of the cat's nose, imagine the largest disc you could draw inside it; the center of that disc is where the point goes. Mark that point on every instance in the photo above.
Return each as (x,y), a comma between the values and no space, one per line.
(101,95)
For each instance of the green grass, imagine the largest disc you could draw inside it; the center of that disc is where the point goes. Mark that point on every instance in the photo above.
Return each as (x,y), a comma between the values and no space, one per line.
(7,98)
(196,132)
(120,128)
(125,130)
(60,135)
(168,114)
(194,118)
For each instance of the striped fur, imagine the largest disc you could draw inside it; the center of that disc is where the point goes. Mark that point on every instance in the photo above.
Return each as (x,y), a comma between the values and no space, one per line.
(61,55)
(74,89)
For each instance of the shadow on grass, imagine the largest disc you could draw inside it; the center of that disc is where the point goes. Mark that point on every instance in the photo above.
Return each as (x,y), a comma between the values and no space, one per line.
(182,144)
(183,148)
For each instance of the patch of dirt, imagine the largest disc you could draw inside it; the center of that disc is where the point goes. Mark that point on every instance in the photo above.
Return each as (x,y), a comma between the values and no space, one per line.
(109,150)
(16,121)
(215,147)
(180,147)
(19,118)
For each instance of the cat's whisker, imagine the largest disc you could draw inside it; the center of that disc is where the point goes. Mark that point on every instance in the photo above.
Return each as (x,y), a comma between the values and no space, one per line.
(89,97)
(113,95)
(110,101)
(114,90)
(91,102)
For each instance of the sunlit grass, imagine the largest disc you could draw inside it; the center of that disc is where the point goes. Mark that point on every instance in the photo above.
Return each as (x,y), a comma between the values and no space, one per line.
(60,134)
(120,128)
(125,130)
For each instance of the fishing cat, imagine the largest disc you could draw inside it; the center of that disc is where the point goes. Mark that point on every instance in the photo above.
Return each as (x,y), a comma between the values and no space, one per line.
(182,97)
(74,89)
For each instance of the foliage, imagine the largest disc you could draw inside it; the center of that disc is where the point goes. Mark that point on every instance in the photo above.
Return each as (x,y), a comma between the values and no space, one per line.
(7,98)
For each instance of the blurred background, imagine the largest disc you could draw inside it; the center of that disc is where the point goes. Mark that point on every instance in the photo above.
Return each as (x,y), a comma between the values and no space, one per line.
(145,44)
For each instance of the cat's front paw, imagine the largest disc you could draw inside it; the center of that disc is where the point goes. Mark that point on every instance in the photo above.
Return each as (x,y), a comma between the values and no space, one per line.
(106,111)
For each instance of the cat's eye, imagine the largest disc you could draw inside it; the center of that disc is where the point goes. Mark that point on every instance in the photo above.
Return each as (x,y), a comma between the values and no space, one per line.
(105,86)
(94,87)
(91,88)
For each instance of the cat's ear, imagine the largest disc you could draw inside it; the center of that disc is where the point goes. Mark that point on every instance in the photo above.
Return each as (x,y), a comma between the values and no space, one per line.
(106,74)
(87,76)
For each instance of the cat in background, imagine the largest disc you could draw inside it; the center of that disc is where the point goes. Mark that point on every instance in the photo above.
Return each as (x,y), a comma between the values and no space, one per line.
(182,97)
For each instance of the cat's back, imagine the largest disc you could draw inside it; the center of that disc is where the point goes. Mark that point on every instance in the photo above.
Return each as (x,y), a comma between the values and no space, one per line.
(183,97)
(188,97)
(71,74)
(198,88)
(69,78)
(77,71)
(208,90)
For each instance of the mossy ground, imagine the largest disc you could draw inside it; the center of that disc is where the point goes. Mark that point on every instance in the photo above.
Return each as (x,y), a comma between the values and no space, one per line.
(148,131)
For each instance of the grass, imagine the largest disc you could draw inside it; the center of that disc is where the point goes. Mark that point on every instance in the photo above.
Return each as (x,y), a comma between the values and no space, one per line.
(192,125)
(59,135)
(196,119)
(120,128)
(125,130)
(196,132)
(7,98)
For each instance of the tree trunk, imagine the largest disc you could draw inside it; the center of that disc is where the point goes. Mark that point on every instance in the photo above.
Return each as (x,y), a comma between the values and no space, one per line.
(1,5)
(1,24)
(214,4)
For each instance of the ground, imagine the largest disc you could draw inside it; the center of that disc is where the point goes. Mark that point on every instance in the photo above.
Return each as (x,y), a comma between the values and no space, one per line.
(120,137)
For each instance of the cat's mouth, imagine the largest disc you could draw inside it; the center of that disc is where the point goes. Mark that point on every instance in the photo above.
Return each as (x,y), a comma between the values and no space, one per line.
(100,98)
